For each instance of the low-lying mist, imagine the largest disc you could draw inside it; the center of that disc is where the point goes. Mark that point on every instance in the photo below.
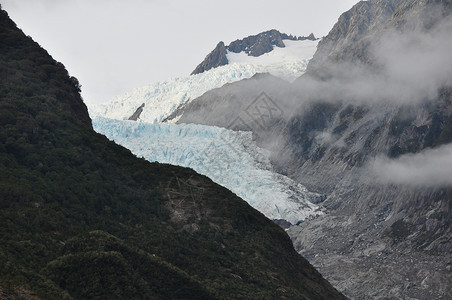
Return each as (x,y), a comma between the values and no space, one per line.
(431,167)
(405,67)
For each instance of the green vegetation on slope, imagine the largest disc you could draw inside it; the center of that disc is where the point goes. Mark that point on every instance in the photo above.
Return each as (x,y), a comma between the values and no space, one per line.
(81,217)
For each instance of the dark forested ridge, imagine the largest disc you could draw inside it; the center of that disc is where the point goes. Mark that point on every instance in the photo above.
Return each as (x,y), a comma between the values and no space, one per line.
(81,217)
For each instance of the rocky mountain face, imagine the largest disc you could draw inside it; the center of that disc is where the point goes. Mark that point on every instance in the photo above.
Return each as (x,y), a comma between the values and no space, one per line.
(363,19)
(361,129)
(83,218)
(221,106)
(385,232)
(137,113)
(357,29)
(254,45)
(214,59)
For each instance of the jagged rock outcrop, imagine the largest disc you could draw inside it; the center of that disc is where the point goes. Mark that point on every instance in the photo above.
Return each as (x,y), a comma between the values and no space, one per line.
(257,45)
(214,59)
(352,26)
(137,113)
(254,45)
(310,37)
(366,22)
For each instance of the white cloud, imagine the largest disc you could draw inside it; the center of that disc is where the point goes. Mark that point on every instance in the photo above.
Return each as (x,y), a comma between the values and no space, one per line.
(431,167)
(408,67)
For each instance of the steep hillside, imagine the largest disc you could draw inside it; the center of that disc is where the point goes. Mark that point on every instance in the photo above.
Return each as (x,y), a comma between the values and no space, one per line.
(370,127)
(81,217)
(222,106)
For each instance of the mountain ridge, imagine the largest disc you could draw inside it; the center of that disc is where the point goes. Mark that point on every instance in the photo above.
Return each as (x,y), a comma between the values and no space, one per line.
(253,45)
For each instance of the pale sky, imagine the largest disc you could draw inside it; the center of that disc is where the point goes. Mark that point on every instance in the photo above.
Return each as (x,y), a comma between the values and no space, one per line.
(113,46)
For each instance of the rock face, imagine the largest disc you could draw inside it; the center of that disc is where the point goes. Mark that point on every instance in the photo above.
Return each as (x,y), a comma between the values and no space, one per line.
(381,237)
(222,106)
(380,231)
(254,45)
(214,59)
(356,29)
(257,45)
(137,113)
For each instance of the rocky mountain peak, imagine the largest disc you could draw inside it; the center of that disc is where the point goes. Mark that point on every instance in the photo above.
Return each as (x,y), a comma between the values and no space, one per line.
(361,20)
(253,45)
(364,24)
(214,59)
(256,45)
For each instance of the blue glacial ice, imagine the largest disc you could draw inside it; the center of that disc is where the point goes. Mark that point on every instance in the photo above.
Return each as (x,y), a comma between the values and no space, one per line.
(230,158)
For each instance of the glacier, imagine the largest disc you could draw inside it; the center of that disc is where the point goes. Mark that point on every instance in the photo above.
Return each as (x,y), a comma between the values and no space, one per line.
(161,99)
(230,158)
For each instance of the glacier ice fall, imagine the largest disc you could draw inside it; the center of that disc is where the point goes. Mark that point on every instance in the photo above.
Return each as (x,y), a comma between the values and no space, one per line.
(228,157)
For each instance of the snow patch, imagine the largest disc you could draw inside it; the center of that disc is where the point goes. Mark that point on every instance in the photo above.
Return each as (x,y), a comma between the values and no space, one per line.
(288,63)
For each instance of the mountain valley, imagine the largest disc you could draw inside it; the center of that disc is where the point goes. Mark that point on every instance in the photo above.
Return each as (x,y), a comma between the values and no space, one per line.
(83,218)
(340,147)
(368,127)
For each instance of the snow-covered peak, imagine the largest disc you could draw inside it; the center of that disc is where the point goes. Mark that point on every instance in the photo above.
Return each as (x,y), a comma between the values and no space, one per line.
(289,62)
(161,99)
